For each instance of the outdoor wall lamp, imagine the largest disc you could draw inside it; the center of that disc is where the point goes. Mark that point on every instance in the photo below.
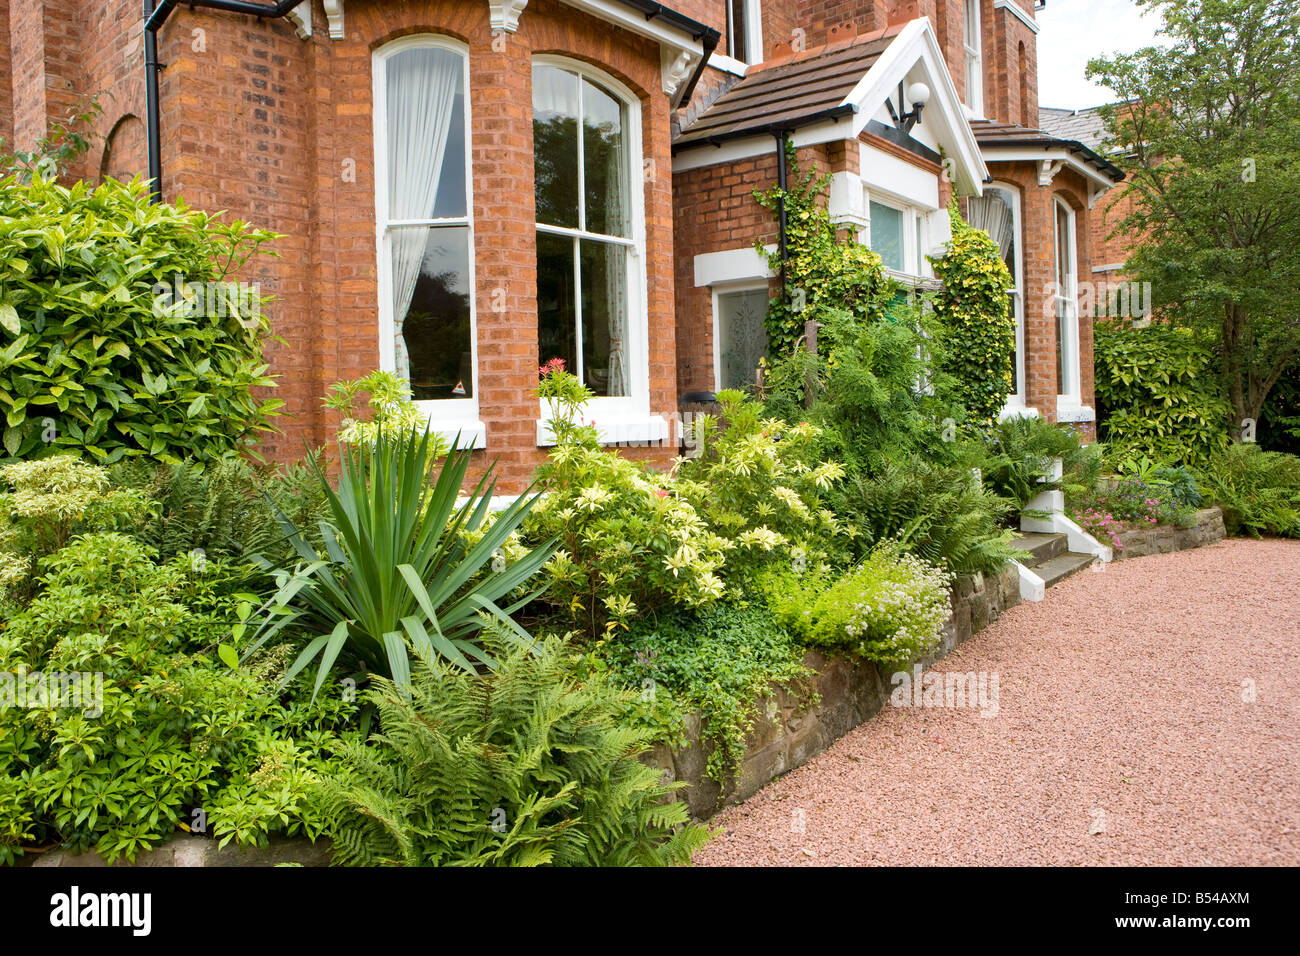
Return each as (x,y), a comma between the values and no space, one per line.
(918,94)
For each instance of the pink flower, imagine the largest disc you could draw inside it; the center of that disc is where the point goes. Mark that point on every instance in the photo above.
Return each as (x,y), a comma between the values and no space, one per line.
(554,365)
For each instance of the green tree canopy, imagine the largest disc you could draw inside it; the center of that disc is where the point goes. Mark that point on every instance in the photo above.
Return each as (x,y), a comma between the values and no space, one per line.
(1209,132)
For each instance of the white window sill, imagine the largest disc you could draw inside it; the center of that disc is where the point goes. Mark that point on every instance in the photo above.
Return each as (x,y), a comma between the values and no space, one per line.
(616,430)
(1016,409)
(728,64)
(472,433)
(1069,409)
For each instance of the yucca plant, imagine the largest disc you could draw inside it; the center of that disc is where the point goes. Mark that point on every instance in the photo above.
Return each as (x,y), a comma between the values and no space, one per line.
(402,564)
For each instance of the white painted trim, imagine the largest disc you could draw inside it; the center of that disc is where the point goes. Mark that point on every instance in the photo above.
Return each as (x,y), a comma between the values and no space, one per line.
(974,99)
(700,155)
(917,45)
(637,403)
(1050,155)
(1070,392)
(472,432)
(727,64)
(1032,587)
(745,264)
(1018,12)
(1013,409)
(503,15)
(450,413)
(614,429)
(300,17)
(334,16)
(883,172)
(1110,267)
(636,22)
(1070,409)
(1078,540)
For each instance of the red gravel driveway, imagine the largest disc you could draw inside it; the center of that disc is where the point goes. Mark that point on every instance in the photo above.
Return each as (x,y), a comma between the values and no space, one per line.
(1147,714)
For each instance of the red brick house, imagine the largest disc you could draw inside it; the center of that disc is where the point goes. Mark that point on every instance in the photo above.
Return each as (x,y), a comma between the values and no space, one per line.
(468,188)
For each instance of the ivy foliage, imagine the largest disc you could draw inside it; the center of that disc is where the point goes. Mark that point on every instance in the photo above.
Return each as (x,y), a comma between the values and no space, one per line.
(822,270)
(1158,393)
(121,332)
(979,327)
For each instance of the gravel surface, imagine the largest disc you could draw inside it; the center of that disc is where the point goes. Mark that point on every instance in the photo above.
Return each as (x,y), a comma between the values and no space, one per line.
(1126,732)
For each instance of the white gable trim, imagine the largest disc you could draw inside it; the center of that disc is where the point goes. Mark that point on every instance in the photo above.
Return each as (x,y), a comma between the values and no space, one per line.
(1018,12)
(1050,161)
(917,45)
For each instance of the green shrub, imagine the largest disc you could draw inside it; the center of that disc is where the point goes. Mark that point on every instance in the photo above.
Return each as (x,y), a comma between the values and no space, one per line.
(524,766)
(628,544)
(722,661)
(403,564)
(888,609)
(97,359)
(1158,392)
(942,513)
(163,730)
(822,269)
(979,328)
(47,503)
(1259,491)
(223,511)
(758,485)
(1020,456)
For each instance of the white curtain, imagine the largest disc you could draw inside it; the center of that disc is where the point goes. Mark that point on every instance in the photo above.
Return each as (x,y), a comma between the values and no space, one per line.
(422,89)
(617,275)
(993,214)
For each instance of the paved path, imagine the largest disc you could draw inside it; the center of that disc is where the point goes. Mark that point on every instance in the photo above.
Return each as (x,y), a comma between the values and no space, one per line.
(1155,704)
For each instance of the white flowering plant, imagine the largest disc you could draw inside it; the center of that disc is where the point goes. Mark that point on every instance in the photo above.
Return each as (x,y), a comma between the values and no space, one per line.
(629,543)
(758,483)
(889,609)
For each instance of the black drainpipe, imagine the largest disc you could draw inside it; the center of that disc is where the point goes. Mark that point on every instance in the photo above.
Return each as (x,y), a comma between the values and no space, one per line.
(155,15)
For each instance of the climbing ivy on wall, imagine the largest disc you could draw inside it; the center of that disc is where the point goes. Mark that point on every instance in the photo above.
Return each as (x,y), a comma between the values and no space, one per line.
(822,270)
(979,328)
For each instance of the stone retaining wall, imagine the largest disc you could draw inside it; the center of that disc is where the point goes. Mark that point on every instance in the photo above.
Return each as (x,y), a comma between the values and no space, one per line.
(791,730)
(1206,528)
(197,851)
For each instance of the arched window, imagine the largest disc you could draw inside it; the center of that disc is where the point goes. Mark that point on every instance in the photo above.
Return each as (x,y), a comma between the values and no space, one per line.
(590,232)
(997,212)
(425,226)
(1066,298)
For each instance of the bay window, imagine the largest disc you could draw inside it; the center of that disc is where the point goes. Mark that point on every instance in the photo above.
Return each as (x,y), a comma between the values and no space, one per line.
(425,229)
(896,231)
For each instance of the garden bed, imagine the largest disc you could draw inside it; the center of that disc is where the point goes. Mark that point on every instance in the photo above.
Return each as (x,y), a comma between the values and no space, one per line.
(1206,528)
(843,694)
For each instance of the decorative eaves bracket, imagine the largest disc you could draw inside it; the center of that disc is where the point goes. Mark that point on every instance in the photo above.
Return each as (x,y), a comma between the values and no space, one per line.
(334,14)
(1047,171)
(505,14)
(300,17)
(678,67)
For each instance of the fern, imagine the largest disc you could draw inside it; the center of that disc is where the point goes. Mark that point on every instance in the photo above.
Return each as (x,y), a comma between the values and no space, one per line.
(525,766)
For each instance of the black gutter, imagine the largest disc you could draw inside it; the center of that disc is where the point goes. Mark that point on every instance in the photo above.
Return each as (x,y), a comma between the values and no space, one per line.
(1047,141)
(706,36)
(783,223)
(155,15)
(773,128)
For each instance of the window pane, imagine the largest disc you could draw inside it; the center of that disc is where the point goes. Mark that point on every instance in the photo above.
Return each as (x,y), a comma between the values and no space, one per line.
(557,316)
(887,235)
(425,107)
(736,20)
(435,327)
(604,318)
(604,162)
(742,338)
(555,145)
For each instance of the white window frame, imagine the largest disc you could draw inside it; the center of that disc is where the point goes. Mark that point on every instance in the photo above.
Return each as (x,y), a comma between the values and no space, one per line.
(1018,402)
(973,45)
(618,419)
(718,291)
(753,52)
(916,229)
(1069,393)
(450,417)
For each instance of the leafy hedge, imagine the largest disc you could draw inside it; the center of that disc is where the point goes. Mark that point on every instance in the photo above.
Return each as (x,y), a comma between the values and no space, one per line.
(101,353)
(1158,392)
(979,327)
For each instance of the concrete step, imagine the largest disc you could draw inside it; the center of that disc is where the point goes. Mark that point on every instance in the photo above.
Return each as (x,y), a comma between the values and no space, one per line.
(1041,547)
(1062,566)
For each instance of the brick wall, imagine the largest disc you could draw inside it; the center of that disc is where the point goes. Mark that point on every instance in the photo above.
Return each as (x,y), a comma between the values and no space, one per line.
(6,79)
(277,131)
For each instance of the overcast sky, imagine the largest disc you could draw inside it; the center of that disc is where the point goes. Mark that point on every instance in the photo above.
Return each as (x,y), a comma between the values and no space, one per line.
(1075,31)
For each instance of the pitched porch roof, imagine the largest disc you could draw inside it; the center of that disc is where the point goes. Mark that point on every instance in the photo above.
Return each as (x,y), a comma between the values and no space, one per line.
(1005,141)
(831,93)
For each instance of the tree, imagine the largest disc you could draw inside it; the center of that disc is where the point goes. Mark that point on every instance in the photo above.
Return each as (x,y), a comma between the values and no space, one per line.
(1209,126)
